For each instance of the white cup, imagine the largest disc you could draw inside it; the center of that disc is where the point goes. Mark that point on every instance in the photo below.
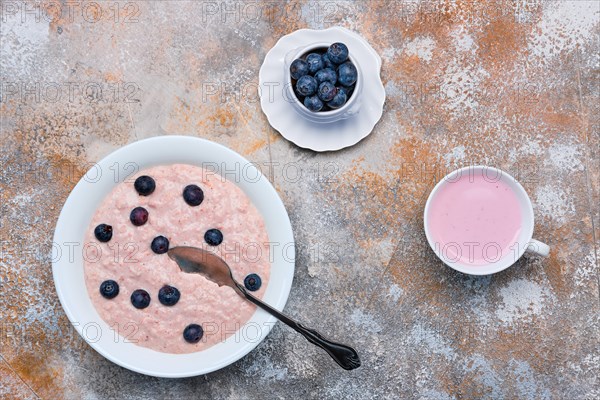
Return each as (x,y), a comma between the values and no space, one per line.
(352,106)
(525,241)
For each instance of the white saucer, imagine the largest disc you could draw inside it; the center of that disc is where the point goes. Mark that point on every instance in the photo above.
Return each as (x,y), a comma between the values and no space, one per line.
(281,111)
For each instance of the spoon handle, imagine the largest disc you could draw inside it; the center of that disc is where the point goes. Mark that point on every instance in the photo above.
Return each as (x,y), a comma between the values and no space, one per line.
(345,356)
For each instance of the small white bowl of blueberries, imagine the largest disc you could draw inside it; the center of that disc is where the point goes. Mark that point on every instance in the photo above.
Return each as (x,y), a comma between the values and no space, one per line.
(324,82)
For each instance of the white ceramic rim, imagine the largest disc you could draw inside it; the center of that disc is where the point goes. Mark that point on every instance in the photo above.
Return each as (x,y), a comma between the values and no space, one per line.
(527,216)
(75,218)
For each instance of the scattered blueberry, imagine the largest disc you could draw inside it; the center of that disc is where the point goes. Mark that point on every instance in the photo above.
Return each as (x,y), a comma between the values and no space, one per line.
(140,299)
(193,333)
(103,232)
(327,62)
(327,91)
(168,295)
(306,85)
(315,62)
(144,185)
(313,103)
(252,282)
(339,99)
(109,289)
(160,245)
(138,216)
(298,69)
(214,237)
(193,195)
(326,75)
(337,53)
(347,74)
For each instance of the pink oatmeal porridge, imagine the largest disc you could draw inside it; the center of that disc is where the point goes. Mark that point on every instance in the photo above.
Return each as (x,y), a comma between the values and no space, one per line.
(126,266)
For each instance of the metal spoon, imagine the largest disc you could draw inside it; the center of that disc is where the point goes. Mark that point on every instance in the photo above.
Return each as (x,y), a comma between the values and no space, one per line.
(214,268)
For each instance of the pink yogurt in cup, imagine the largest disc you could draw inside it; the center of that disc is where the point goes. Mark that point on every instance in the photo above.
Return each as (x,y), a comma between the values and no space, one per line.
(479,220)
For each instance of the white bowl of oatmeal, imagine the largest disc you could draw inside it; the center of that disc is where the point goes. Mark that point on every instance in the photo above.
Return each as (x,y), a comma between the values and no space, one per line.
(150,333)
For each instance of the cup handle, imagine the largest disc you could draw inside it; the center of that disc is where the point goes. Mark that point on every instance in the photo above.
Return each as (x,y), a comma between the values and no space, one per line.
(537,247)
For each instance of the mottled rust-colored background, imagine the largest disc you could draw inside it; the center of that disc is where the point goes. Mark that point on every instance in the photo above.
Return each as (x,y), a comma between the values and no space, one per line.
(513,84)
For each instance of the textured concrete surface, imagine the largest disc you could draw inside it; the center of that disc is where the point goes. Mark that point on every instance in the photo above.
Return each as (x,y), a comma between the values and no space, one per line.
(513,84)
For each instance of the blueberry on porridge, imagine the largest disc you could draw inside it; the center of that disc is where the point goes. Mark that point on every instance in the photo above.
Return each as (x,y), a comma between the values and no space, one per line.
(193,333)
(168,295)
(103,232)
(140,299)
(109,289)
(144,185)
(213,237)
(138,216)
(160,245)
(193,195)
(252,282)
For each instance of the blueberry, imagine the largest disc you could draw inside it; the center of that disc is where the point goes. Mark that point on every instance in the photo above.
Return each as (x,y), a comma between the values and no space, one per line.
(214,237)
(327,63)
(144,185)
(193,195)
(327,91)
(103,232)
(160,245)
(252,282)
(337,53)
(306,85)
(315,62)
(347,74)
(349,89)
(168,295)
(339,99)
(193,333)
(298,69)
(313,103)
(109,289)
(140,299)
(326,75)
(138,216)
